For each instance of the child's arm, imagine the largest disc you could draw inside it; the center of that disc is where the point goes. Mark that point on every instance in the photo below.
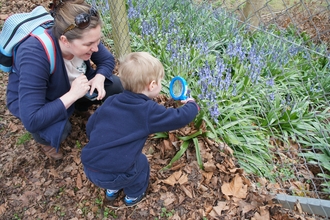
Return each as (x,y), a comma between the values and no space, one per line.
(162,119)
(190,100)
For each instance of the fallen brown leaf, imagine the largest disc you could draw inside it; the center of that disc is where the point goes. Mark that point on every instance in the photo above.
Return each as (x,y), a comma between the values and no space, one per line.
(262,214)
(220,207)
(235,188)
(186,191)
(79,181)
(2,208)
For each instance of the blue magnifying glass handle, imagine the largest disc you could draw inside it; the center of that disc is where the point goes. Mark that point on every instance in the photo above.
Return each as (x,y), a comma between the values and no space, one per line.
(178,88)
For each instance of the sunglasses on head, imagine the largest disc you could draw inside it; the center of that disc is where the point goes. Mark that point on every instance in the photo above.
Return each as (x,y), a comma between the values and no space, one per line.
(82,20)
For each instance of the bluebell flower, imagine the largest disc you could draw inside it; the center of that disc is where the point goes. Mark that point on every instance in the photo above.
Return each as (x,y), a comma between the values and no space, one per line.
(236,49)
(174,54)
(316,88)
(214,113)
(100,6)
(270,82)
(227,81)
(213,83)
(205,48)
(293,50)
(132,12)
(202,47)
(230,49)
(169,44)
(148,29)
(307,56)
(179,53)
(172,22)
(256,64)
(220,66)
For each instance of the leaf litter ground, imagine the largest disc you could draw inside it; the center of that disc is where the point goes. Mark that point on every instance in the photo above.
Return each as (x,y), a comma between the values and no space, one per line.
(33,186)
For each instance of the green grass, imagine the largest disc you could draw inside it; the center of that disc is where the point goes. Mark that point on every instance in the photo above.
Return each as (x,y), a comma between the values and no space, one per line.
(24,138)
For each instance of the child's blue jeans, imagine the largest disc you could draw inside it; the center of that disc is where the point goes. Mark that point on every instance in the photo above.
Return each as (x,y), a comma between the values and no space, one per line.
(134,182)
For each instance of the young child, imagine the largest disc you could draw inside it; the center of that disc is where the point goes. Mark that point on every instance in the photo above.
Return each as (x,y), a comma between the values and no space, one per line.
(119,128)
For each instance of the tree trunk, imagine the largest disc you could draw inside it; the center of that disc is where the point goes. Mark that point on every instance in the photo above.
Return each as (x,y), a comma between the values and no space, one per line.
(120,31)
(251,13)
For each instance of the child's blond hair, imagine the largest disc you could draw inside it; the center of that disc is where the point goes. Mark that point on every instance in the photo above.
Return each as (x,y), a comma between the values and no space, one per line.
(138,69)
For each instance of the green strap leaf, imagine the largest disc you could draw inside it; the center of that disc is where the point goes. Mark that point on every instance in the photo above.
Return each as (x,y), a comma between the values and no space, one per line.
(178,155)
(186,138)
(198,153)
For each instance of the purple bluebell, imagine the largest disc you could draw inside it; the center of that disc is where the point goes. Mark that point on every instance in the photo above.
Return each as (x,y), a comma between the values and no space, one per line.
(236,49)
(227,81)
(202,47)
(169,44)
(172,24)
(307,55)
(214,82)
(174,54)
(270,82)
(293,50)
(271,96)
(256,63)
(104,9)
(214,113)
(149,29)
(132,12)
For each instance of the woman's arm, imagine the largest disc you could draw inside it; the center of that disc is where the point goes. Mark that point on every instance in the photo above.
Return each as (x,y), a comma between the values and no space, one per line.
(104,61)
(43,99)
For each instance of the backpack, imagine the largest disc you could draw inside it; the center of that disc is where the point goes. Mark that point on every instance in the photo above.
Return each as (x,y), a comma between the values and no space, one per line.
(18,27)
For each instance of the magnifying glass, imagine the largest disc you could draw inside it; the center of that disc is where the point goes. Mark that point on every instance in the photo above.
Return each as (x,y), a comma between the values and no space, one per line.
(178,88)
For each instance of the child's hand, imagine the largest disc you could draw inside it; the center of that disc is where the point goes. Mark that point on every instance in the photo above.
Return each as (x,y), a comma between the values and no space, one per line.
(188,100)
(191,100)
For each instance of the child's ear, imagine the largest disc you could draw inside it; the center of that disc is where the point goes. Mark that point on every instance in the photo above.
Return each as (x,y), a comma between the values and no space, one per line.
(152,85)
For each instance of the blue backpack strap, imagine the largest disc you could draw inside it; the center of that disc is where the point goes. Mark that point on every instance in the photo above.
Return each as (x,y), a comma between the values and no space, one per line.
(47,42)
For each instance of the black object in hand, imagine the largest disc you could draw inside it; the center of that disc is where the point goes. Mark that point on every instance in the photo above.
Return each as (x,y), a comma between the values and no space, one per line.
(91,97)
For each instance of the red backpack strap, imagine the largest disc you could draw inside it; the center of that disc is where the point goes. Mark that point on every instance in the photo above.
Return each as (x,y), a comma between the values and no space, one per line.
(47,42)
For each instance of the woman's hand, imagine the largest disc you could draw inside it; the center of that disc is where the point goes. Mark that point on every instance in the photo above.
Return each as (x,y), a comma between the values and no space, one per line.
(79,88)
(98,83)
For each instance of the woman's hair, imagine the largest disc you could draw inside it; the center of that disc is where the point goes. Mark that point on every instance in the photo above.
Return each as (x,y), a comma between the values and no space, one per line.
(138,69)
(64,15)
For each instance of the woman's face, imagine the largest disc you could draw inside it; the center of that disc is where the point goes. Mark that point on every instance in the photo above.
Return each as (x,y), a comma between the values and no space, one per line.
(88,44)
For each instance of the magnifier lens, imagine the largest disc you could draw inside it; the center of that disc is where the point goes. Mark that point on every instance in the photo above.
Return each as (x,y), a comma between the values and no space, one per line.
(177,88)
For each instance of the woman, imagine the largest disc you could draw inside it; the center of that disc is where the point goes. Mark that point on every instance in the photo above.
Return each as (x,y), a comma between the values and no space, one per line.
(44,102)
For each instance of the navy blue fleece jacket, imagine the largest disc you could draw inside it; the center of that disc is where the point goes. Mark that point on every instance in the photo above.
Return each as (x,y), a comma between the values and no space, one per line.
(118,129)
(33,94)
